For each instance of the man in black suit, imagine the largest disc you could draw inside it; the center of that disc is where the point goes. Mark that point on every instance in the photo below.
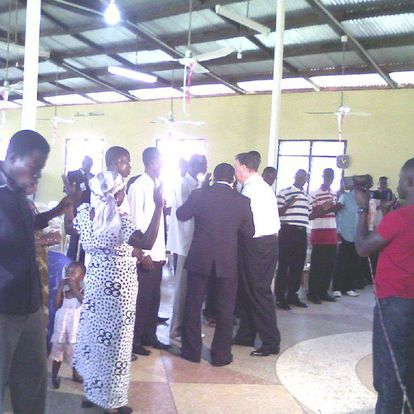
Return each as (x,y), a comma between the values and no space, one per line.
(80,178)
(220,213)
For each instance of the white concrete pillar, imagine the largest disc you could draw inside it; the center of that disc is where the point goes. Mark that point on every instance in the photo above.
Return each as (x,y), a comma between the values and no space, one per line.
(31,64)
(277,79)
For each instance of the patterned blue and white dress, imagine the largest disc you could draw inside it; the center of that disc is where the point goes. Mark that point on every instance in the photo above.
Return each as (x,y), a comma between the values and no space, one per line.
(103,353)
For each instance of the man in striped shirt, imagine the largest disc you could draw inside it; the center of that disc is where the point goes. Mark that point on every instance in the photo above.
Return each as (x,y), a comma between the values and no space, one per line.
(324,240)
(295,207)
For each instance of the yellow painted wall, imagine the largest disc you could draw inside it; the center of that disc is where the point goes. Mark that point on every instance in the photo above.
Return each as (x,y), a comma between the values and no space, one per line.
(377,144)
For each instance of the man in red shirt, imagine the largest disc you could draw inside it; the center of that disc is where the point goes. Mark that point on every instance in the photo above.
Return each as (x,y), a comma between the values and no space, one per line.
(393,328)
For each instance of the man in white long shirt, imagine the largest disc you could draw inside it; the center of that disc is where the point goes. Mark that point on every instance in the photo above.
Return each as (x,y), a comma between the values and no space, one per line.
(258,257)
(179,238)
(141,201)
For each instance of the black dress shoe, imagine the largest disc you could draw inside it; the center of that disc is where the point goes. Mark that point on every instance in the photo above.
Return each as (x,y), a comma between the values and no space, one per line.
(237,341)
(189,358)
(140,350)
(282,305)
(160,319)
(262,352)
(222,363)
(314,298)
(160,345)
(328,298)
(87,404)
(298,303)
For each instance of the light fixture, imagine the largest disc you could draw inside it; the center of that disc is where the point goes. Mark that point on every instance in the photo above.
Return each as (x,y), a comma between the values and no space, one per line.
(112,15)
(132,74)
(243,20)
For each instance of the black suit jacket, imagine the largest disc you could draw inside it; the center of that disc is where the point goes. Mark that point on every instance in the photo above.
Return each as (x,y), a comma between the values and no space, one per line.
(220,213)
(81,181)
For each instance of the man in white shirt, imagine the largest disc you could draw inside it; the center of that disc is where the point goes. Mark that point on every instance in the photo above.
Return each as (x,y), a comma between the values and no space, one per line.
(180,235)
(258,257)
(141,201)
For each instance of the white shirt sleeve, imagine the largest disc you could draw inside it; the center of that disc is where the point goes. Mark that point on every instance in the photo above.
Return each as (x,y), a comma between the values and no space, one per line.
(136,199)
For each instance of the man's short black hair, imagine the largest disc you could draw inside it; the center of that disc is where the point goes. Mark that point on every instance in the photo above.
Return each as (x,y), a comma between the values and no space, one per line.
(25,141)
(149,154)
(114,153)
(224,172)
(409,165)
(250,159)
(383,178)
(269,170)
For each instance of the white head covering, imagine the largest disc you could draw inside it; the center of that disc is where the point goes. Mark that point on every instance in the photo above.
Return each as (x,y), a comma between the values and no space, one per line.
(103,187)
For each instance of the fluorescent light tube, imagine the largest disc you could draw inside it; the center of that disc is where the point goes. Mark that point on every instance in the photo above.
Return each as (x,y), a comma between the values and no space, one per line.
(243,20)
(132,74)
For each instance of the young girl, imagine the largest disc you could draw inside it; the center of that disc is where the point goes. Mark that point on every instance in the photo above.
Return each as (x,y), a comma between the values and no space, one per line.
(69,298)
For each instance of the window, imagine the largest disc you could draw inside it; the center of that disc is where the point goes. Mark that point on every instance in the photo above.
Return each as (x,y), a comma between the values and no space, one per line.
(172,150)
(4,143)
(309,155)
(76,149)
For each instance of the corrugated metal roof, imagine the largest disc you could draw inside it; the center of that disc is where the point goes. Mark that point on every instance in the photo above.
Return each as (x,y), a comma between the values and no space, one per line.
(179,23)
(147,56)
(49,67)
(244,68)
(346,2)
(76,83)
(381,26)
(324,61)
(65,15)
(236,43)
(350,81)
(12,73)
(61,43)
(396,55)
(110,35)
(309,34)
(6,18)
(263,8)
(92,61)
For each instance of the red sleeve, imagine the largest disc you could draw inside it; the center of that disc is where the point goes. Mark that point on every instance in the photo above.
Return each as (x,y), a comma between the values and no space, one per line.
(391,225)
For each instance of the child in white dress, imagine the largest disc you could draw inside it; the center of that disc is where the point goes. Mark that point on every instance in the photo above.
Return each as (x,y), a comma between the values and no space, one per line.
(68,303)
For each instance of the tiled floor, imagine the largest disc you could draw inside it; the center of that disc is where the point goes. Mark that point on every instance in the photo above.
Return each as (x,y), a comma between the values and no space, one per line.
(324,367)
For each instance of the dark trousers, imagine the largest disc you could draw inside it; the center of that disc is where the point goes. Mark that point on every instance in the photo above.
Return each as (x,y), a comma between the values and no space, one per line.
(23,365)
(346,267)
(398,315)
(225,295)
(258,259)
(148,303)
(209,311)
(322,267)
(292,254)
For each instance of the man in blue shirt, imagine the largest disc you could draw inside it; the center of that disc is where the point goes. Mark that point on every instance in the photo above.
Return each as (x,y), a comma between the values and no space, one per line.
(347,261)
(22,326)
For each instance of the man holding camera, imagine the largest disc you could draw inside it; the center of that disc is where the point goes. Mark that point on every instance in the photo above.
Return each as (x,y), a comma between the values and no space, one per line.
(393,326)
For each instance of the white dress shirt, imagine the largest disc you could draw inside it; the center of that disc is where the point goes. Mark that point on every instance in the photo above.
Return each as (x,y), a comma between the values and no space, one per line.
(180,233)
(263,204)
(142,206)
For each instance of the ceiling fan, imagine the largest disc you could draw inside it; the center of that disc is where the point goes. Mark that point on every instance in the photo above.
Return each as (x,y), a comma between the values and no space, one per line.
(192,63)
(56,120)
(343,110)
(171,121)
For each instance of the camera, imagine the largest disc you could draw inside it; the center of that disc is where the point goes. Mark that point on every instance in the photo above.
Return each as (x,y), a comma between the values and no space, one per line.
(365,182)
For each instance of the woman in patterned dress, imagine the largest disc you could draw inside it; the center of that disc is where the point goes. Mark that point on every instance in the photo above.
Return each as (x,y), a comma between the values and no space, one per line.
(103,353)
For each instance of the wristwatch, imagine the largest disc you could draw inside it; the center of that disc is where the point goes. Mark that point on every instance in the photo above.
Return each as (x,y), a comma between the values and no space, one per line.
(362,210)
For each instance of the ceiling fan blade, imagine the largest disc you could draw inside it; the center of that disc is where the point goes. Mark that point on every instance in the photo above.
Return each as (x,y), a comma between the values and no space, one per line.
(322,113)
(359,113)
(196,123)
(215,54)
(200,69)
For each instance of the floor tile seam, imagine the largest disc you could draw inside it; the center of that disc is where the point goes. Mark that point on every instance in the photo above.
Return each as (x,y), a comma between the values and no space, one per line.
(168,383)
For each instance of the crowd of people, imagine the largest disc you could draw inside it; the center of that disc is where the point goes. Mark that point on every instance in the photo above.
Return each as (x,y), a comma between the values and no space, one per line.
(234,239)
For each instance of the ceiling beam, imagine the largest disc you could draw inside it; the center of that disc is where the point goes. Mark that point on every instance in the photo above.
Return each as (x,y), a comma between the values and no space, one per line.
(340,29)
